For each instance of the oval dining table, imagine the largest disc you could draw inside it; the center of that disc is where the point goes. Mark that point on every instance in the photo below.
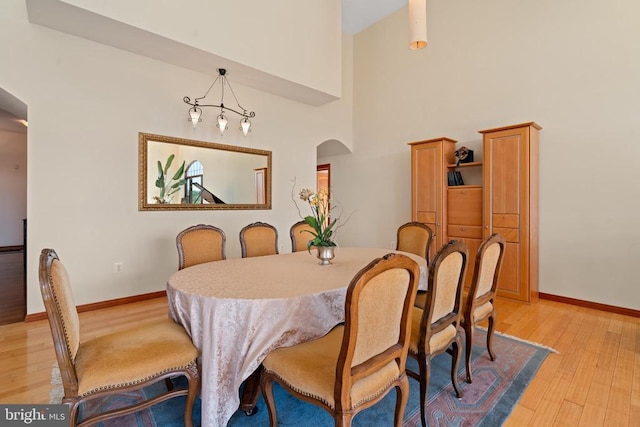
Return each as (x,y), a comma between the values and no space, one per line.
(238,310)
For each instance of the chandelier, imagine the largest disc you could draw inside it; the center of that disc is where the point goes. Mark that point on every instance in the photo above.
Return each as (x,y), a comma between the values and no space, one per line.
(195,112)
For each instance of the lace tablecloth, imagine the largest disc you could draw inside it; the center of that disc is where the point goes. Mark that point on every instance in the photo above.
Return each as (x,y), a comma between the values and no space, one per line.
(238,310)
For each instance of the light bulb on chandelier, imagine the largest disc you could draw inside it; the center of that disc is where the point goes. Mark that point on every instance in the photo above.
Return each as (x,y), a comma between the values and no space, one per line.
(195,112)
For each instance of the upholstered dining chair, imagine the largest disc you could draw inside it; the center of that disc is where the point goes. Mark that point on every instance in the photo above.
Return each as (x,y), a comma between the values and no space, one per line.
(436,328)
(258,239)
(357,363)
(478,303)
(300,236)
(415,237)
(200,243)
(115,363)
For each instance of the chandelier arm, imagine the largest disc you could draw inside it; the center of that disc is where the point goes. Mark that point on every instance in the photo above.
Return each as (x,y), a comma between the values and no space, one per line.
(248,114)
(235,97)
(209,90)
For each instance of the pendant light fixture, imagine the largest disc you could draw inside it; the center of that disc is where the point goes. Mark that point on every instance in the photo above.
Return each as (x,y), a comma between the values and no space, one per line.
(417,24)
(195,112)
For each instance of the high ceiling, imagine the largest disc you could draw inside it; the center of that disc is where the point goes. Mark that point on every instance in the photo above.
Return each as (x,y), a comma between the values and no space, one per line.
(359,14)
(356,16)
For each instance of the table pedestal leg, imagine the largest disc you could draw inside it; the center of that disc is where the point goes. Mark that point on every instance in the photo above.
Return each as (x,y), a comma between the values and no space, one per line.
(250,392)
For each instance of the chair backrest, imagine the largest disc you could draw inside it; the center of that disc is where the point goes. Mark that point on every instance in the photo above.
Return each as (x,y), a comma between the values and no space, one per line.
(487,269)
(63,316)
(258,239)
(300,236)
(415,238)
(200,243)
(445,286)
(377,324)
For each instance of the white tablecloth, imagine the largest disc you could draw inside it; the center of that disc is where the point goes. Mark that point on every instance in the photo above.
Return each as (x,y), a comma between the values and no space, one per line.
(238,310)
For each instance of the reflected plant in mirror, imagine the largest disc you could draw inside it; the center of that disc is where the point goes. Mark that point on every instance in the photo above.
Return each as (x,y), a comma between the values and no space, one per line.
(210,175)
(171,186)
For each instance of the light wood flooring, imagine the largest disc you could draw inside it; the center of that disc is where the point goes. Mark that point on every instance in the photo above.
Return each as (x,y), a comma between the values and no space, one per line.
(593,381)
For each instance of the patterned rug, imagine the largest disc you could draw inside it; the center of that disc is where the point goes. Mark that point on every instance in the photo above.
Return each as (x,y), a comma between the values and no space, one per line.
(488,401)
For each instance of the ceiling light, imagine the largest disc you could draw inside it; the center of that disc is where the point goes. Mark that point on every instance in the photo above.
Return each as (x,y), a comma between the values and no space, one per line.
(417,24)
(195,112)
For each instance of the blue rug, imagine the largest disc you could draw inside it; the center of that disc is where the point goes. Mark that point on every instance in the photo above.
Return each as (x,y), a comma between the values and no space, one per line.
(488,401)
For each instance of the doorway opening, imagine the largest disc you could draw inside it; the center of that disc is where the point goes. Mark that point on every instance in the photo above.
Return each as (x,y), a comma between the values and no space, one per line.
(323,177)
(13,191)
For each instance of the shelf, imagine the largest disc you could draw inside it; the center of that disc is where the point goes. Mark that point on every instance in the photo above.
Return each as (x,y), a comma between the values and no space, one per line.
(449,187)
(464,165)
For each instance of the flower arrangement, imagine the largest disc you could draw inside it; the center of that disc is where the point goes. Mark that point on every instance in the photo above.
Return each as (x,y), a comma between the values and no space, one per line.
(320,219)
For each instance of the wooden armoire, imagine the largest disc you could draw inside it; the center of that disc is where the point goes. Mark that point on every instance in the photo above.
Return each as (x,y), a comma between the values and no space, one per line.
(505,203)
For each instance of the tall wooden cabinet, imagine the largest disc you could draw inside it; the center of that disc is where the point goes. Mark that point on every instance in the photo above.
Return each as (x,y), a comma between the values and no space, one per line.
(505,203)
(510,205)
(429,186)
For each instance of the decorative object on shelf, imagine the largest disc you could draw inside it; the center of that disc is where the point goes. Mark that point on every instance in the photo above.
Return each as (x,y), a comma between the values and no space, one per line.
(195,112)
(463,155)
(454,178)
(325,254)
(168,186)
(417,24)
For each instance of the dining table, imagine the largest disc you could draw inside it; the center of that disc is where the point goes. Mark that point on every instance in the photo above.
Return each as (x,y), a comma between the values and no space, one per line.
(238,310)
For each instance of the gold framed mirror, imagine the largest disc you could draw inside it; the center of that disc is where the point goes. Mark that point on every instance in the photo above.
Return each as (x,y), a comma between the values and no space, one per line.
(184,174)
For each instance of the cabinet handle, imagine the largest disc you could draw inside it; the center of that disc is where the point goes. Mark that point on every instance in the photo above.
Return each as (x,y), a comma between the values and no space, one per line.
(486,226)
(462,192)
(463,229)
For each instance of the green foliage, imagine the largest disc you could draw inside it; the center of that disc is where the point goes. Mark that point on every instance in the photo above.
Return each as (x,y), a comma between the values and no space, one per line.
(168,187)
(320,222)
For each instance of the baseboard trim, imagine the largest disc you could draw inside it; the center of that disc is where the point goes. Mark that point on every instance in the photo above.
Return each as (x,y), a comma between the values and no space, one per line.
(590,304)
(102,304)
(11,248)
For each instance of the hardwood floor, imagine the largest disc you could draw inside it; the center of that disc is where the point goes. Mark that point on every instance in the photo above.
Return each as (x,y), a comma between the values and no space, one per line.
(12,298)
(593,381)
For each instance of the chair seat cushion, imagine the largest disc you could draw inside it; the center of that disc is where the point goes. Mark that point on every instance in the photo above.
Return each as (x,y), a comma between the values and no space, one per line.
(132,356)
(480,312)
(310,369)
(437,342)
(483,311)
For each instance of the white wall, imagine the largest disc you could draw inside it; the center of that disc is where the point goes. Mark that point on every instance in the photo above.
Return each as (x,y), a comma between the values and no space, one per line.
(279,37)
(13,187)
(573,67)
(87,102)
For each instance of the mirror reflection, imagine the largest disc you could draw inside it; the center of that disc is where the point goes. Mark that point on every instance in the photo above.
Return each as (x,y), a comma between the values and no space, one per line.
(177,174)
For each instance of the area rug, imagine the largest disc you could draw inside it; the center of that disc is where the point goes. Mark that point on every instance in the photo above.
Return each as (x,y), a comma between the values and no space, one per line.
(488,401)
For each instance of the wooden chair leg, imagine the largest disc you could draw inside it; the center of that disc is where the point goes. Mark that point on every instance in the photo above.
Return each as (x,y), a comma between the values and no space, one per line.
(343,419)
(266,384)
(455,362)
(402,397)
(468,333)
(425,374)
(490,331)
(191,397)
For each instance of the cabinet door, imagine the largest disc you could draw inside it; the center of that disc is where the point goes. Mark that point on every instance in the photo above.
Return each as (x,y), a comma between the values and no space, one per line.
(510,205)
(502,177)
(427,171)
